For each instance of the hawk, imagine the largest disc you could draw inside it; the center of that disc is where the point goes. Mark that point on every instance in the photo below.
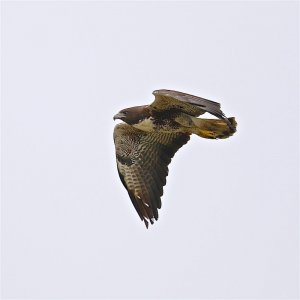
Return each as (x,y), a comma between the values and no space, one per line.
(152,134)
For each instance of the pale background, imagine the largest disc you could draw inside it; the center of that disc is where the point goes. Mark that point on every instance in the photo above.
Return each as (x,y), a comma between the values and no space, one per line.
(228,227)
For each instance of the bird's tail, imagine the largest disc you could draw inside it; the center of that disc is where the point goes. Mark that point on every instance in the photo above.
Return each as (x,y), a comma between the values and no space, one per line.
(214,128)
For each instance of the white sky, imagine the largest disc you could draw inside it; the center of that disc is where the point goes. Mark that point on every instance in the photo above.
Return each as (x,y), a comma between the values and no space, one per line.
(228,226)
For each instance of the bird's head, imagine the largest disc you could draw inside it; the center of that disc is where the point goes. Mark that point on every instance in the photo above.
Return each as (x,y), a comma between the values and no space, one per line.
(133,115)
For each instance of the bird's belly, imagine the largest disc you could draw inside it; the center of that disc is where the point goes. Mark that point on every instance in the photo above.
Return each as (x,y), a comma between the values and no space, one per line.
(150,125)
(145,125)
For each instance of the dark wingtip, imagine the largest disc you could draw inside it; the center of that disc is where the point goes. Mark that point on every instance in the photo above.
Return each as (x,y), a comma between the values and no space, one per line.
(151,221)
(146,223)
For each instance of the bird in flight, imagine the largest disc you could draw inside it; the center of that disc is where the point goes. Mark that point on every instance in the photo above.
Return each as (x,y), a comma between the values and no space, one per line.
(152,134)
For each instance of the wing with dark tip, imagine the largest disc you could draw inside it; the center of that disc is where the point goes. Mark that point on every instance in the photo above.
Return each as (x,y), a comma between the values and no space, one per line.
(189,104)
(142,161)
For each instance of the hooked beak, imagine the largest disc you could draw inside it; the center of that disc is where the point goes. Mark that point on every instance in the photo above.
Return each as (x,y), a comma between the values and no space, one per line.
(119,116)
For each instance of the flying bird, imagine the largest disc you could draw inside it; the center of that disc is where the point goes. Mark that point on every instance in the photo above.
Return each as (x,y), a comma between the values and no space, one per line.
(152,134)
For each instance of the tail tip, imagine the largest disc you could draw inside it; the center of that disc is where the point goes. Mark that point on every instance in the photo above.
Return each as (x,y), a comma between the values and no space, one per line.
(233,124)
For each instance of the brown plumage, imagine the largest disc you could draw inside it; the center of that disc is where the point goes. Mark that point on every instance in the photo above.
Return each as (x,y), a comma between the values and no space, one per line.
(151,136)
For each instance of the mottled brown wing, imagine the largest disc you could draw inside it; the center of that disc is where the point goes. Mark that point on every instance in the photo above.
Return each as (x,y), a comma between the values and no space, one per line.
(189,104)
(142,161)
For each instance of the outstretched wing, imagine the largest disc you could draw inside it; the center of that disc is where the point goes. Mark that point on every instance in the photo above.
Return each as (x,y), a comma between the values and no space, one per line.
(142,161)
(192,105)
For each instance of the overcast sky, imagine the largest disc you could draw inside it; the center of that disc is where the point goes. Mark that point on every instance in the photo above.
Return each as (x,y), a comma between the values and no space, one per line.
(228,226)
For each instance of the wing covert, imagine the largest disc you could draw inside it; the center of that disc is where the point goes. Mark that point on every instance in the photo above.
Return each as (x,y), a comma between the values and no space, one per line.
(192,105)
